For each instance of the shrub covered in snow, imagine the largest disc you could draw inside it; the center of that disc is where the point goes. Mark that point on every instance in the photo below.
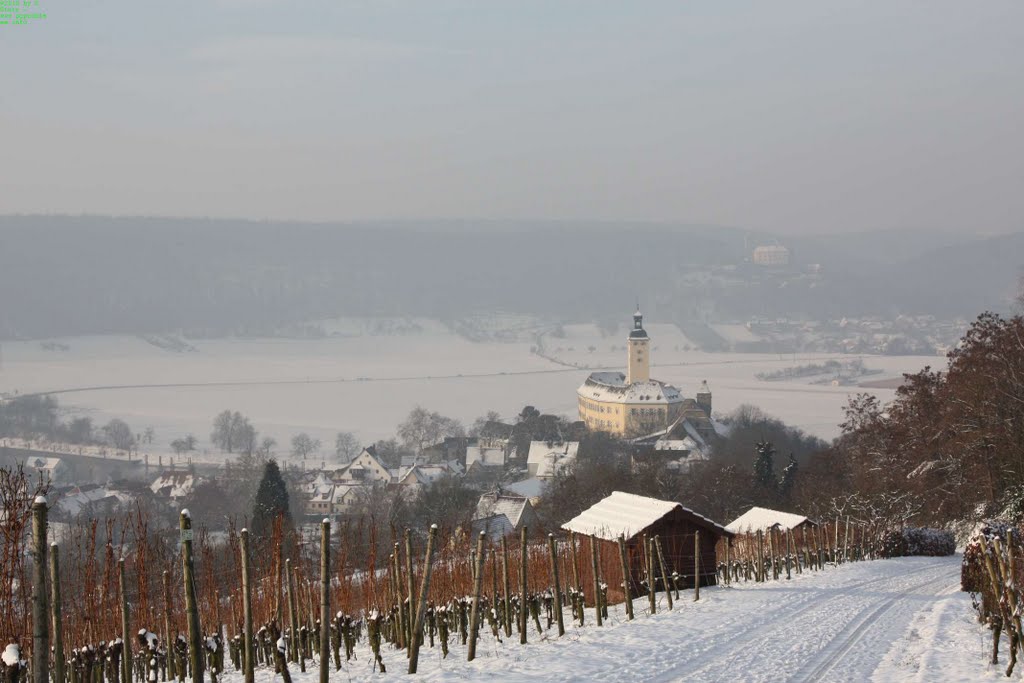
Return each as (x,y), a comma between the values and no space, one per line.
(910,541)
(972,571)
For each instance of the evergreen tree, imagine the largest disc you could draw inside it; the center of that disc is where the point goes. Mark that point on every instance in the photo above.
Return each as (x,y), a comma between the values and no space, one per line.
(271,501)
(788,477)
(764,465)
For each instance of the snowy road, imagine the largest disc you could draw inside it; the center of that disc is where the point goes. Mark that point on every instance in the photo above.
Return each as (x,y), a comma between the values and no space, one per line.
(893,620)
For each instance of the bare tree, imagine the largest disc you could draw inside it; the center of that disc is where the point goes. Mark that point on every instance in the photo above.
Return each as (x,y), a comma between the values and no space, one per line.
(303,444)
(119,434)
(232,432)
(423,428)
(347,446)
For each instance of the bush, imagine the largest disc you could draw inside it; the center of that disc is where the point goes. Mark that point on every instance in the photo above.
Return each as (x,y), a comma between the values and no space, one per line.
(914,541)
(972,570)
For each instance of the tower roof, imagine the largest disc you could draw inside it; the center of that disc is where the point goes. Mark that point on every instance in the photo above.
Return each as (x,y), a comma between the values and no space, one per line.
(638,331)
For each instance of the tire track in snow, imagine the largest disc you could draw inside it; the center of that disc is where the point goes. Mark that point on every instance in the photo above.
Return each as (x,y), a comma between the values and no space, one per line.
(867,621)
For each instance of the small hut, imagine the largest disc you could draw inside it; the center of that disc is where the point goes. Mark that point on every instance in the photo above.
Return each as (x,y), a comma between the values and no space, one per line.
(632,517)
(764,519)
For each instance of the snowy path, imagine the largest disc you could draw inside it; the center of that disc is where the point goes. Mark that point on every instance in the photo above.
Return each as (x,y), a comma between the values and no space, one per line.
(893,620)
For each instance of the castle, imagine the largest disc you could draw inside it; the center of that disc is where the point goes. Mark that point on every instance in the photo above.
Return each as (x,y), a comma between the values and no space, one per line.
(633,404)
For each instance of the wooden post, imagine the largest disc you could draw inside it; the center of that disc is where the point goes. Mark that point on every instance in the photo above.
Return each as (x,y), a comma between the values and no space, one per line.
(168,642)
(55,609)
(249,663)
(411,590)
(524,607)
(664,574)
(126,648)
(507,588)
(553,547)
(325,599)
(293,614)
(195,643)
(474,615)
(625,577)
(846,541)
(696,566)
(421,609)
(789,554)
(759,569)
(575,567)
(40,609)
(597,579)
(649,561)
(728,562)
(403,629)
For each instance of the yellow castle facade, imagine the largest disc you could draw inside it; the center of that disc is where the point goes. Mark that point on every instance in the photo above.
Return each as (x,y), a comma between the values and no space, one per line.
(633,404)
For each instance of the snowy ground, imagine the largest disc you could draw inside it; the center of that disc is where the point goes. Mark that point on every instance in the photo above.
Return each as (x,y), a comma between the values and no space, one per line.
(891,620)
(366,381)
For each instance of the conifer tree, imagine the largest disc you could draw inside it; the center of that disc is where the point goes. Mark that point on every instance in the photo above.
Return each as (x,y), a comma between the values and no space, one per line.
(271,501)
(764,465)
(788,477)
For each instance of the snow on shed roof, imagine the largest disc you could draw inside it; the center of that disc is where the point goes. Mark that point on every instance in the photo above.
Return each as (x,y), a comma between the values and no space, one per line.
(492,503)
(627,514)
(757,518)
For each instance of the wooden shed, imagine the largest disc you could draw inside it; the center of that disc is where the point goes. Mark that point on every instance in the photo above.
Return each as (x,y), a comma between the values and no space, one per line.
(763,519)
(633,517)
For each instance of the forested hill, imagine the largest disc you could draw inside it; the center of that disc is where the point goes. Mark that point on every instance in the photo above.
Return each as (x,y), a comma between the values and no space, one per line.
(78,275)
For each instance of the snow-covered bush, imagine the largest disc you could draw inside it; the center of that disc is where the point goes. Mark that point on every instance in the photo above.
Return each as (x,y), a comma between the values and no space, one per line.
(910,541)
(972,570)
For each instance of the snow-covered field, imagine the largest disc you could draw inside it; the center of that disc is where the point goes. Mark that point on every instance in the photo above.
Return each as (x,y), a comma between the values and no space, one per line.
(889,620)
(367,380)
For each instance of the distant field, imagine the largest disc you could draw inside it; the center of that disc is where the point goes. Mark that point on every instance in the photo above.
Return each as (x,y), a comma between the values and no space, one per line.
(369,379)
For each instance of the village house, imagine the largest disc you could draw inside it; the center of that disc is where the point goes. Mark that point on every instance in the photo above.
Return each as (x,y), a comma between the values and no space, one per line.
(547,458)
(762,519)
(499,513)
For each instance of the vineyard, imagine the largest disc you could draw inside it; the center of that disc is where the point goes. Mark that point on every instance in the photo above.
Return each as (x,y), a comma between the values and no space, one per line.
(118,601)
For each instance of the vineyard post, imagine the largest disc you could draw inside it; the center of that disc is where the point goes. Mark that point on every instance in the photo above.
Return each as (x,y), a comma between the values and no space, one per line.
(506,586)
(597,579)
(421,609)
(410,589)
(524,606)
(325,598)
(728,564)
(625,577)
(195,645)
(664,574)
(168,643)
(250,664)
(846,541)
(789,551)
(126,651)
(295,653)
(575,568)
(696,566)
(649,561)
(771,554)
(55,609)
(40,610)
(553,547)
(402,629)
(474,615)
(759,568)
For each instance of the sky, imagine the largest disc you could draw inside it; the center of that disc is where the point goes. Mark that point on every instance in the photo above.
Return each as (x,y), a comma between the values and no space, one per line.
(793,117)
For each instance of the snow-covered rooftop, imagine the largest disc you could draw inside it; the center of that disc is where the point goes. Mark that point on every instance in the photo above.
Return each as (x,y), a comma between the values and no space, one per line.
(545,457)
(626,514)
(611,386)
(491,504)
(761,519)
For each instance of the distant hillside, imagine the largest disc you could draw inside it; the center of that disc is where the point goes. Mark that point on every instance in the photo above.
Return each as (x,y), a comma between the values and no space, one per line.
(79,275)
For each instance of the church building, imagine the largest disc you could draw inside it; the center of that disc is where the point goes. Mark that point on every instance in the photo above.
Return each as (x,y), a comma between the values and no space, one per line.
(633,404)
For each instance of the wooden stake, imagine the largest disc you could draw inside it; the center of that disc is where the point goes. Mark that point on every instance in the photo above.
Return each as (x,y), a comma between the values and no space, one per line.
(195,644)
(649,557)
(507,588)
(421,609)
(126,648)
(325,599)
(625,577)
(597,579)
(696,566)
(293,614)
(474,615)
(40,608)
(249,663)
(168,642)
(664,574)
(55,610)
(524,607)
(553,547)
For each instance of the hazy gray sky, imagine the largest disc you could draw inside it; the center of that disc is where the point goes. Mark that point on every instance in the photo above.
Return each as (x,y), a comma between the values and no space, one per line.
(790,116)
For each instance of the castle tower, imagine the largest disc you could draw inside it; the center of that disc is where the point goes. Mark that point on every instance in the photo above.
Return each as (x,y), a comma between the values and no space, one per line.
(704,398)
(638,368)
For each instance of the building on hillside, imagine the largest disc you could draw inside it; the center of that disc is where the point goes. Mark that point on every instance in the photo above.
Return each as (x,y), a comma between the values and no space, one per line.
(530,488)
(762,519)
(631,517)
(51,470)
(495,527)
(174,485)
(633,404)
(484,462)
(771,255)
(547,458)
(517,510)
(419,477)
(365,468)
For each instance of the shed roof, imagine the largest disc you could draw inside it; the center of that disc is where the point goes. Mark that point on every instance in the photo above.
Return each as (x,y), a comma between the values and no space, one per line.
(627,514)
(757,518)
